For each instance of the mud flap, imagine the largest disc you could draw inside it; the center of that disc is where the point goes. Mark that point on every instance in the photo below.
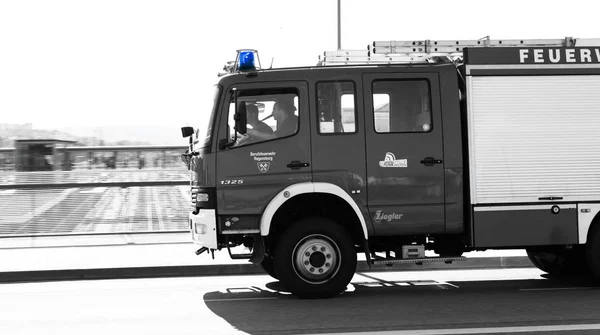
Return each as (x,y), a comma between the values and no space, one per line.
(258,250)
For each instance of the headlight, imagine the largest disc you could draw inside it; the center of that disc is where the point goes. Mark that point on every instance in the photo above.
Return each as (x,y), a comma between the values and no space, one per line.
(201,229)
(201,197)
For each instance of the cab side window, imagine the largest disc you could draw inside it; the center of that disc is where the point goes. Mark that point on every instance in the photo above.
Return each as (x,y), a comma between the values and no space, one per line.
(337,114)
(271,114)
(402,106)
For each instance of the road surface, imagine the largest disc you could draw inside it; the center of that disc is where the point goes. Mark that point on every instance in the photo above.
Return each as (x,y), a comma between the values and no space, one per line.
(431,302)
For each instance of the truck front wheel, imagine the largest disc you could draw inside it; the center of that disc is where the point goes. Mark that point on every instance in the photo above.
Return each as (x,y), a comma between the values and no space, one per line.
(316,258)
(267,265)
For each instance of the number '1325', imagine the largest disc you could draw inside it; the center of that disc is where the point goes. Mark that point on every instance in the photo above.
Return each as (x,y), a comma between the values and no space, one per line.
(232,182)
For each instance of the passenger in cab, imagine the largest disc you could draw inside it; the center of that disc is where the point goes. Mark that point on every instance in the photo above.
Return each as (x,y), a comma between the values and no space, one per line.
(287,122)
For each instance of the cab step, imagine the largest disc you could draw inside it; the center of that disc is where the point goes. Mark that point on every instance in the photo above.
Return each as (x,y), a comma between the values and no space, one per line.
(410,254)
(418,261)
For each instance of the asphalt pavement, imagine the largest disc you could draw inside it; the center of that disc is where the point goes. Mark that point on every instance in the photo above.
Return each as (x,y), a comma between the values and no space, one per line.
(169,255)
(507,301)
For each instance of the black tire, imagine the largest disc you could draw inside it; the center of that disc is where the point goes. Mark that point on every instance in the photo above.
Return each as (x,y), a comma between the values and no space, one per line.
(316,259)
(592,250)
(558,261)
(268,266)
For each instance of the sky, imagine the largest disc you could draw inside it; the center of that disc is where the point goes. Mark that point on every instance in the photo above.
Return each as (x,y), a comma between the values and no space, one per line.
(149,63)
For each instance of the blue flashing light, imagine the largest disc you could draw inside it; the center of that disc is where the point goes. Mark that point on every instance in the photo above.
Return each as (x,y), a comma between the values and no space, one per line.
(247,61)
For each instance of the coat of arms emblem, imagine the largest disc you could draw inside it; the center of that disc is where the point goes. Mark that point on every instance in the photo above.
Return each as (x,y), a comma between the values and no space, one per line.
(263,166)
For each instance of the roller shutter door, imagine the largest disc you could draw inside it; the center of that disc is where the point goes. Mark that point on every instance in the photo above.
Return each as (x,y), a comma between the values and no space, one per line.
(533,137)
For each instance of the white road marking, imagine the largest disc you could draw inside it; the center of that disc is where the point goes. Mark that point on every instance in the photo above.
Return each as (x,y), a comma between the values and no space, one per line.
(240,299)
(95,190)
(446,283)
(159,215)
(558,288)
(266,289)
(491,330)
(383,282)
(149,214)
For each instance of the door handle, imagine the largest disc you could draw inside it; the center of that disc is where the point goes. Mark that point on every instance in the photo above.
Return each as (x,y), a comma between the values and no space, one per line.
(430,161)
(294,165)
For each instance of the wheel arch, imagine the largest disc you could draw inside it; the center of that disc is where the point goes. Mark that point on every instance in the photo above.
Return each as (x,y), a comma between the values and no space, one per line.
(313,196)
(589,217)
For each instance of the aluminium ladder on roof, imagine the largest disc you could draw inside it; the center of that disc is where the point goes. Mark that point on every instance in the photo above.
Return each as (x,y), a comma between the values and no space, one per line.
(457,46)
(349,57)
(425,51)
(356,57)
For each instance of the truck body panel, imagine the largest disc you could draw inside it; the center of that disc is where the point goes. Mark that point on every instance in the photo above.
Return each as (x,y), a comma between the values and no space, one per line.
(534,149)
(517,226)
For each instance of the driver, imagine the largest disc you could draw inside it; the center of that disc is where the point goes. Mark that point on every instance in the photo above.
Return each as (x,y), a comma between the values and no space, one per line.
(252,119)
(287,122)
(259,129)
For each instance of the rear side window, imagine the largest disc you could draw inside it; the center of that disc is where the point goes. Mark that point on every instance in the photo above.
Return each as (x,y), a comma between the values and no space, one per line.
(402,106)
(336,107)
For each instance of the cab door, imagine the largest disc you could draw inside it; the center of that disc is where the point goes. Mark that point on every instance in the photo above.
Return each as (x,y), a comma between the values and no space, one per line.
(251,172)
(338,138)
(405,161)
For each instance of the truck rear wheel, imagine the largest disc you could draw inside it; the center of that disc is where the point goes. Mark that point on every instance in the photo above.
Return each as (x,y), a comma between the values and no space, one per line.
(592,249)
(558,261)
(317,258)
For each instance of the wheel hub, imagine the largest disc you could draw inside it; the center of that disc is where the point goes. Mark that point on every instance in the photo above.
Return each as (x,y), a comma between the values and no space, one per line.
(316,259)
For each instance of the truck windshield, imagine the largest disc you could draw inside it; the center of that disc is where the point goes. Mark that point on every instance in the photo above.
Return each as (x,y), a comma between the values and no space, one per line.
(204,139)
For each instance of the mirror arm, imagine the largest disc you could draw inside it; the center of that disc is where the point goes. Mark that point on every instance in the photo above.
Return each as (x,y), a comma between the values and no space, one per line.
(235,117)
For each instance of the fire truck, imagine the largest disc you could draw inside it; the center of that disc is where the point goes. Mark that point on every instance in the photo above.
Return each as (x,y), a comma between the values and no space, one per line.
(405,147)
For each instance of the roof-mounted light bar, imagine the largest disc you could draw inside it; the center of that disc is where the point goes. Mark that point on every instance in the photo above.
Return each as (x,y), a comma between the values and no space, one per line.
(246,61)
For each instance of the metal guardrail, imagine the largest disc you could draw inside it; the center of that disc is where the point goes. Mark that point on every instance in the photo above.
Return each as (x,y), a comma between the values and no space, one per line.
(36,157)
(95,198)
(92,178)
(53,203)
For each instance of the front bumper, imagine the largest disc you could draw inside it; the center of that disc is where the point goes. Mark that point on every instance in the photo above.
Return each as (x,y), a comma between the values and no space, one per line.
(204,228)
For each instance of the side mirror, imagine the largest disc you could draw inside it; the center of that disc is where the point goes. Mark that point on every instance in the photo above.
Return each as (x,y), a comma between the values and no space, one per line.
(187,131)
(241,118)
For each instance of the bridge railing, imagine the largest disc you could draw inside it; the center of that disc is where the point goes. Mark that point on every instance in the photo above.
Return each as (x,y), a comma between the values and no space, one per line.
(89,199)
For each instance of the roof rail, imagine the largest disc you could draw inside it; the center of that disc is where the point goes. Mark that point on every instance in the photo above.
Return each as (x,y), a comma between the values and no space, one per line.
(349,57)
(433,51)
